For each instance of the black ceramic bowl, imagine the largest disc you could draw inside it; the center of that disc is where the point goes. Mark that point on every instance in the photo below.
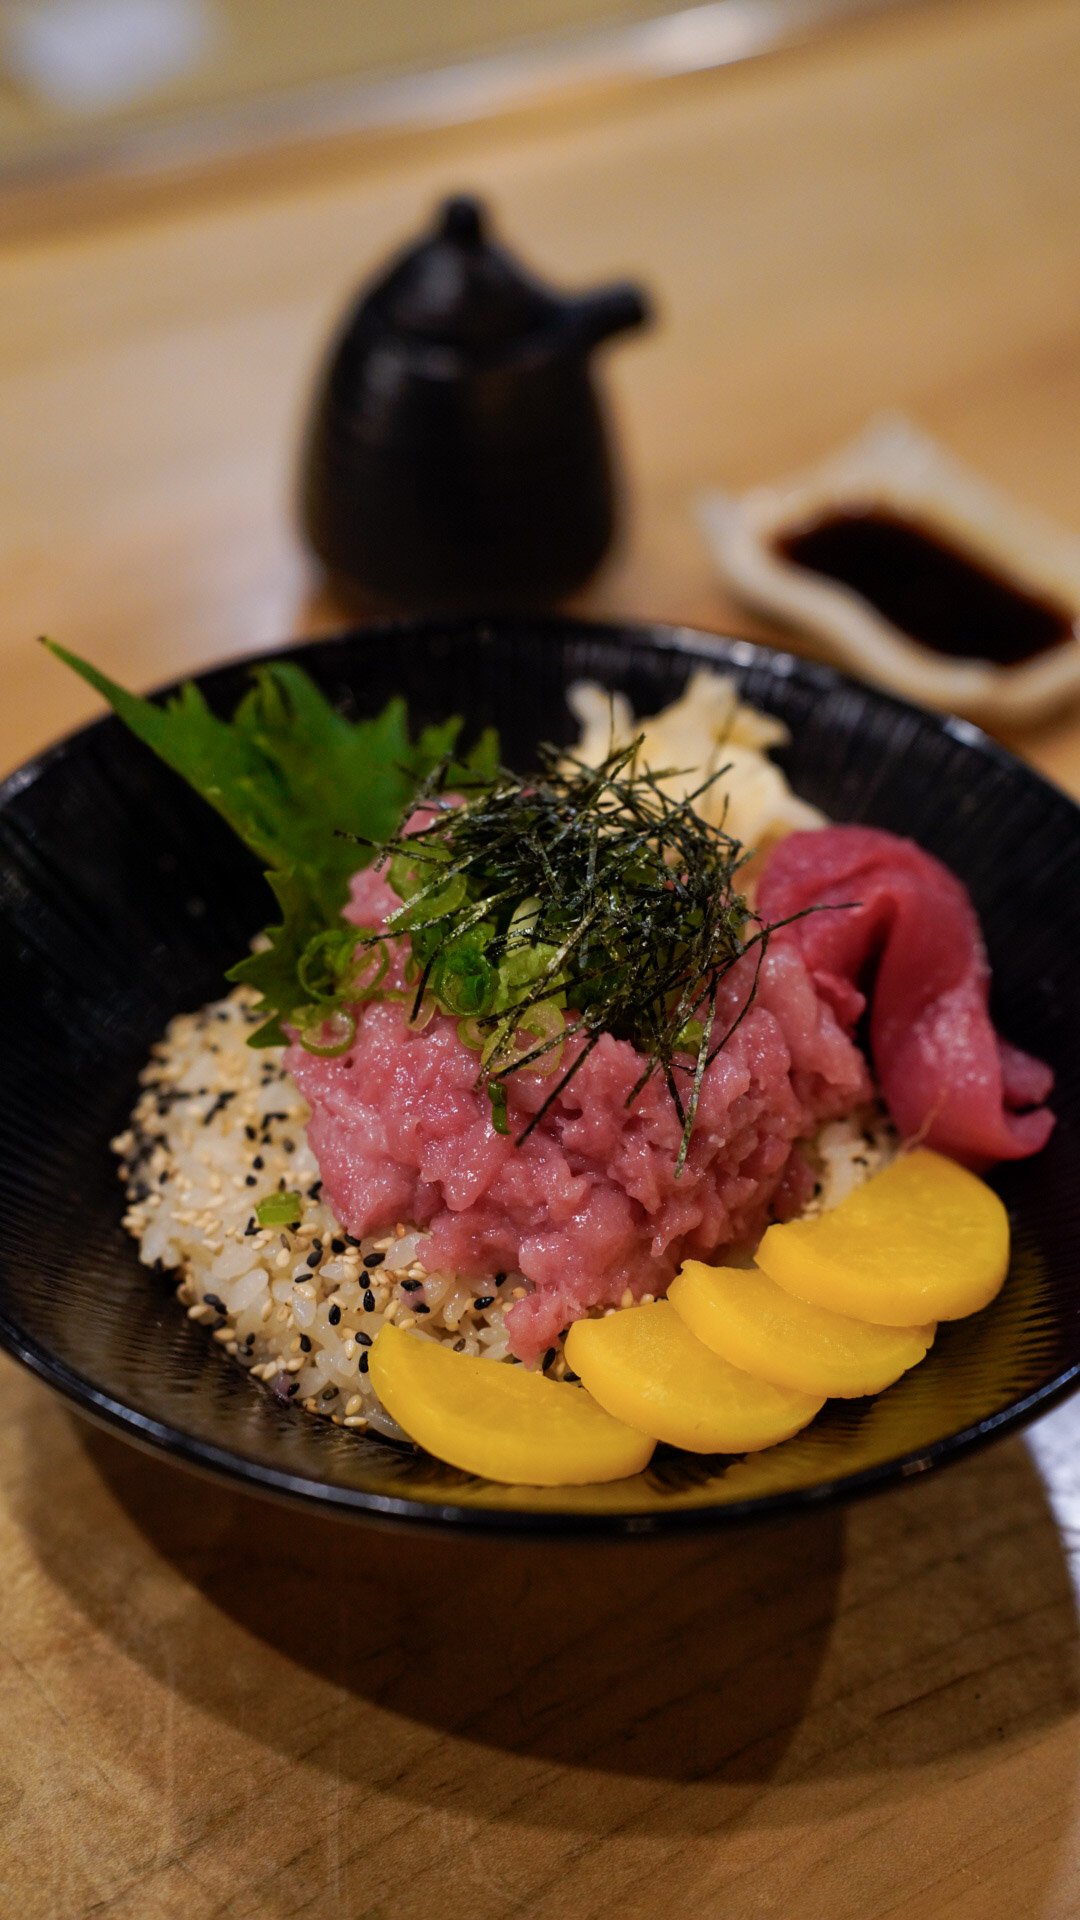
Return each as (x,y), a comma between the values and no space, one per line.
(123,898)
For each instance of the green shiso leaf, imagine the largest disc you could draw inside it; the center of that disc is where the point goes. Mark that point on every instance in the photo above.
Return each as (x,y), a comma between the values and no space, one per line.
(309,791)
(578,890)
(288,772)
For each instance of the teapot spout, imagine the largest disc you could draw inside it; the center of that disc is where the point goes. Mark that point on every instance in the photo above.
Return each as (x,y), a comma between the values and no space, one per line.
(610,310)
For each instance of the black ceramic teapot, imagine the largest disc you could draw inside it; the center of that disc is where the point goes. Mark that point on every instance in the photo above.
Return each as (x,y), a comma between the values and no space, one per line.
(457,455)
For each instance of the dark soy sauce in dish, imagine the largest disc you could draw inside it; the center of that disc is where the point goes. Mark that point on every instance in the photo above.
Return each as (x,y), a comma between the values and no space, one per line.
(934,592)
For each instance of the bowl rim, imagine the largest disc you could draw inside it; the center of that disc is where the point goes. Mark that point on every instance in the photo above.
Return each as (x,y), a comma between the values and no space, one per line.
(222,1464)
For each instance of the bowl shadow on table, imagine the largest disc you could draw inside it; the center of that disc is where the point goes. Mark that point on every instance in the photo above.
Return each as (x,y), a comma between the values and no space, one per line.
(931,1622)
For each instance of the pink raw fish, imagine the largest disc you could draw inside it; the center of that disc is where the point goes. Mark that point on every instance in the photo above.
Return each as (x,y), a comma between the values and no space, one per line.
(912,943)
(589,1204)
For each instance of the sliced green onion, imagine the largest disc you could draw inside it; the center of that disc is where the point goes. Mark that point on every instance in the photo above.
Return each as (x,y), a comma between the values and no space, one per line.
(691,1037)
(463,981)
(320,966)
(428,902)
(279,1210)
(534,1027)
(326,1034)
(364,985)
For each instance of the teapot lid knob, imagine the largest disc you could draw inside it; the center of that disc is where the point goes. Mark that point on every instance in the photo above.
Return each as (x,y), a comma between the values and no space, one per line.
(462,220)
(456,288)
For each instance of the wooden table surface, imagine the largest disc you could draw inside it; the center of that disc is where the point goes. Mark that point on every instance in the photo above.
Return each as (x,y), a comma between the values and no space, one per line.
(216,1707)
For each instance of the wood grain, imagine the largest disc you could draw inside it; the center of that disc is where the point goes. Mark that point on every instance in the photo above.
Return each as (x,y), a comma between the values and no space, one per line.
(214,1707)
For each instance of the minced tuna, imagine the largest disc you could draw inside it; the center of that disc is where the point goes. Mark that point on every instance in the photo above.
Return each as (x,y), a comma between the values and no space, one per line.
(588,1208)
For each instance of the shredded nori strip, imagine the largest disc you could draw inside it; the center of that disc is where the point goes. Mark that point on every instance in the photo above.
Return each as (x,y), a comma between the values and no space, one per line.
(580,887)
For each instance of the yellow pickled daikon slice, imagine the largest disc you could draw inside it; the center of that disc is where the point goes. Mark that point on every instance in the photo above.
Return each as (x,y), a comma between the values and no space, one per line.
(750,1321)
(498,1420)
(922,1240)
(646,1367)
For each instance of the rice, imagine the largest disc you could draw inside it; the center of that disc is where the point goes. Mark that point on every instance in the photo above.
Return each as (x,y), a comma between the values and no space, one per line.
(220,1126)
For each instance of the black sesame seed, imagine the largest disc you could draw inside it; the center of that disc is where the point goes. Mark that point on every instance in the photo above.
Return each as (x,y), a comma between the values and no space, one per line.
(250,1342)
(258,1163)
(305,1343)
(289,1146)
(421,1306)
(363,1363)
(369,1301)
(352,1239)
(337,1246)
(499,1278)
(213,1300)
(314,1190)
(328,1393)
(334,1314)
(459,1346)
(250,1132)
(410,1286)
(371,1259)
(484,1300)
(548,1358)
(573,1378)
(250,1180)
(252,1226)
(364,1339)
(294,1388)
